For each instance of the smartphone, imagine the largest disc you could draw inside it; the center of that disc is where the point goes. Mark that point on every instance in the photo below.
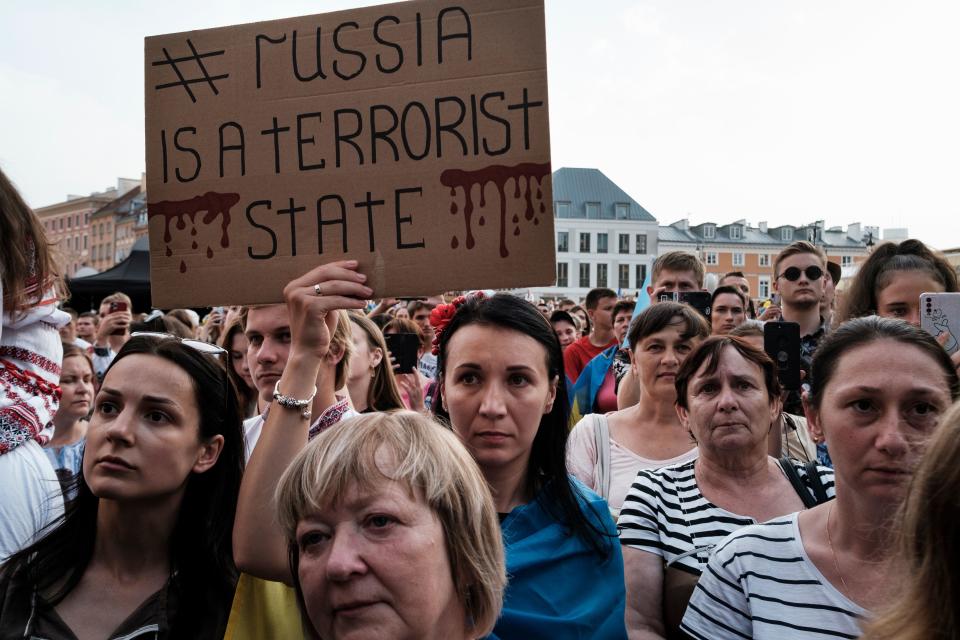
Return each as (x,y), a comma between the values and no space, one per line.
(939,314)
(114,307)
(699,300)
(781,341)
(403,347)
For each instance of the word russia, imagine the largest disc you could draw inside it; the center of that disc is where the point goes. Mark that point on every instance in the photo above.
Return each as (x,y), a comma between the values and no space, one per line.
(404,136)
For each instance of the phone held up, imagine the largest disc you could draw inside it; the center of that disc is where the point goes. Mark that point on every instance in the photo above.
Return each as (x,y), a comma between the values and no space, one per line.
(699,300)
(403,347)
(114,307)
(940,314)
(781,341)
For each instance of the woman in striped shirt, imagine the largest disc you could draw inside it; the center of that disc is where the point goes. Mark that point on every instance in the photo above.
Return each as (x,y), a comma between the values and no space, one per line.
(728,397)
(878,388)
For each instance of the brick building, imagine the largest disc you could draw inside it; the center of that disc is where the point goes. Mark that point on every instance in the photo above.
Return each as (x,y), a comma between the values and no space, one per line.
(69,227)
(740,247)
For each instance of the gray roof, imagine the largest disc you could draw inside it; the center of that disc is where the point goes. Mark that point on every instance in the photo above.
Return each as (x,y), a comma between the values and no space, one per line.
(577,187)
(753,236)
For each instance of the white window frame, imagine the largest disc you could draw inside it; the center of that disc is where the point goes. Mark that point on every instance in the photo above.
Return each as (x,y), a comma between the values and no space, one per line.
(736,233)
(709,232)
(846,261)
(786,234)
(763,288)
(763,259)
(711,258)
(738,259)
(593,207)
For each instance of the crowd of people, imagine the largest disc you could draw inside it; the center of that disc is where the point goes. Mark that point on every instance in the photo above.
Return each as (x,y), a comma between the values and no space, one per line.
(620,468)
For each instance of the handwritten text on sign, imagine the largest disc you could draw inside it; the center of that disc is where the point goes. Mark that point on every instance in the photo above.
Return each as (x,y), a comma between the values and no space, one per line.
(412,137)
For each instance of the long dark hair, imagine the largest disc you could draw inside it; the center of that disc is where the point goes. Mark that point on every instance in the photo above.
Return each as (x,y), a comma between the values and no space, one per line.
(546,475)
(203,574)
(877,271)
(861,331)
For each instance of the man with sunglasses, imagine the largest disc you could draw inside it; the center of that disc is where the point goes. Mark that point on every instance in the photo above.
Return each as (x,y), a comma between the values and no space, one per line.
(799,272)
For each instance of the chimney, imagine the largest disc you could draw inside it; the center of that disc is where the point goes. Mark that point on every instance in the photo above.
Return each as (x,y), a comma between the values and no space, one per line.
(763,226)
(854,232)
(683,225)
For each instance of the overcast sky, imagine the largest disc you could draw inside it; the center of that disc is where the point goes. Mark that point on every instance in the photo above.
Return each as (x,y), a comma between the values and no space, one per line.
(767,110)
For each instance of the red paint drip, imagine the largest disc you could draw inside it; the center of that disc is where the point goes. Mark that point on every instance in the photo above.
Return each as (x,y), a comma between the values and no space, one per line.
(194,245)
(209,253)
(212,203)
(454,243)
(453,208)
(169,252)
(499,175)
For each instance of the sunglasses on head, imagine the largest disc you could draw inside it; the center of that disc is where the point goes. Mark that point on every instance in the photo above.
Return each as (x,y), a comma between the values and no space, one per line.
(196,345)
(793,273)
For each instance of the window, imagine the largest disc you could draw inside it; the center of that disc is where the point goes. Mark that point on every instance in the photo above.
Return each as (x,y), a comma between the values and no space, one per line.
(94,253)
(601,243)
(763,259)
(846,261)
(76,220)
(85,242)
(585,275)
(584,243)
(737,259)
(563,241)
(736,232)
(709,231)
(786,234)
(641,275)
(561,274)
(86,219)
(61,224)
(623,279)
(641,243)
(623,210)
(764,288)
(69,222)
(601,275)
(710,257)
(624,242)
(563,209)
(593,210)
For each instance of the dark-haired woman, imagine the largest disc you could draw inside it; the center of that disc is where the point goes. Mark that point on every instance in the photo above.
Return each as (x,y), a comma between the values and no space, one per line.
(145,548)
(890,281)
(502,390)
(606,451)
(728,397)
(818,573)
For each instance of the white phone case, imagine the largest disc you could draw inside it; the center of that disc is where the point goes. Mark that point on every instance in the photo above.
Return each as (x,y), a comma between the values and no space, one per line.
(940,313)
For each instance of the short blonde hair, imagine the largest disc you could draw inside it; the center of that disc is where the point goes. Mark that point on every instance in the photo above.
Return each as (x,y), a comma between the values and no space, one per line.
(429,460)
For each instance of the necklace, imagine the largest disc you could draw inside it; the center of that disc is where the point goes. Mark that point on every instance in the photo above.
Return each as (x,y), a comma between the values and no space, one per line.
(836,565)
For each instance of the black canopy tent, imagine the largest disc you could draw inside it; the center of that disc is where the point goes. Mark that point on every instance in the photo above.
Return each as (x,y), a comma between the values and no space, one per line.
(131,276)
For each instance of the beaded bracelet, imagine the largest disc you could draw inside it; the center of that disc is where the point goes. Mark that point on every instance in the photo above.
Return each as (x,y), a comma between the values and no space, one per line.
(288,402)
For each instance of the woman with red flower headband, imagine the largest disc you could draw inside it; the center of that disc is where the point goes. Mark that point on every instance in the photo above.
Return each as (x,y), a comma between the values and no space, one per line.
(30,357)
(501,388)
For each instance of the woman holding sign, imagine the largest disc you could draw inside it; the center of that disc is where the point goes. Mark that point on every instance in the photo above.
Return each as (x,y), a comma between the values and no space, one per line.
(501,386)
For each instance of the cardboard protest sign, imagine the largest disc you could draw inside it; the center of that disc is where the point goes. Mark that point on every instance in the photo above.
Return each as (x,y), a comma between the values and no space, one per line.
(412,137)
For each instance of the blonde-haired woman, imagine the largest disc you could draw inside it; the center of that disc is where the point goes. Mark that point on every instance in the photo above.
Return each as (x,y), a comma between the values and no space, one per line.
(370,380)
(392,531)
(928,601)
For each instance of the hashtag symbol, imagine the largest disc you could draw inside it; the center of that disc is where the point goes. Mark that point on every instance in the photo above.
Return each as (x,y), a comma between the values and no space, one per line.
(184,82)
